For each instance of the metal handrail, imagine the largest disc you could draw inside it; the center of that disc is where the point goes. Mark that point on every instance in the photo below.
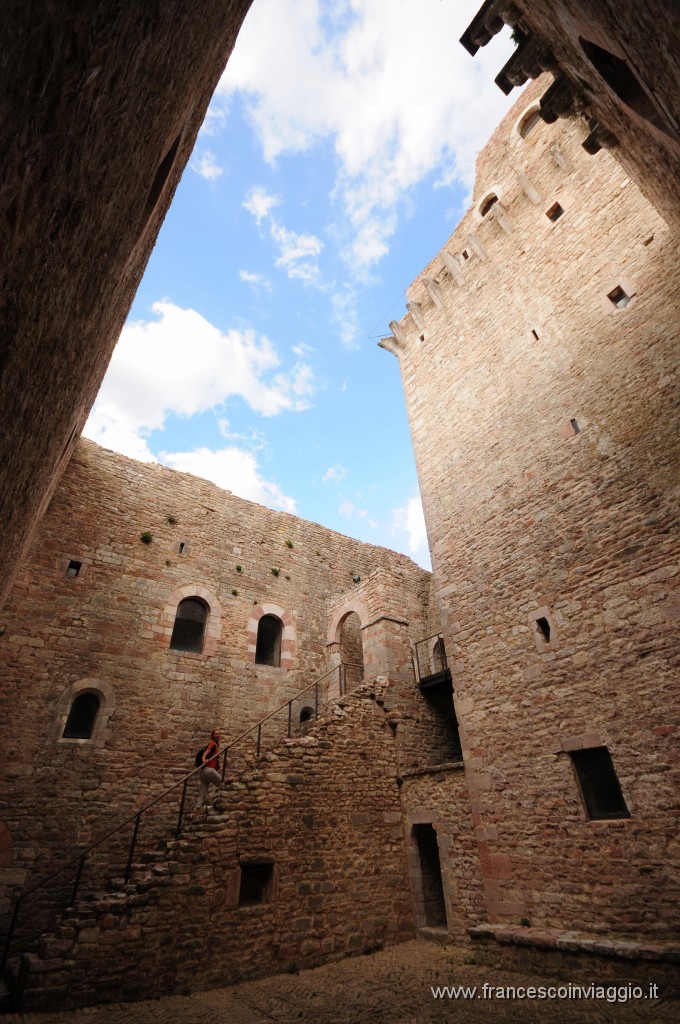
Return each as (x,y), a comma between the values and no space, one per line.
(81,857)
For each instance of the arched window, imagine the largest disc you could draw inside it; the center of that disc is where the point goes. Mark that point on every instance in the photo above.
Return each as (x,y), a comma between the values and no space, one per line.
(487,203)
(306,715)
(268,647)
(529,122)
(189,627)
(82,717)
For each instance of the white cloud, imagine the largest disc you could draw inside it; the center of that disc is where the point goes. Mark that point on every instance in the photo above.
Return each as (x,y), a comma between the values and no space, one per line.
(298,254)
(397,95)
(260,203)
(348,508)
(181,363)
(206,165)
(336,473)
(233,469)
(256,280)
(409,522)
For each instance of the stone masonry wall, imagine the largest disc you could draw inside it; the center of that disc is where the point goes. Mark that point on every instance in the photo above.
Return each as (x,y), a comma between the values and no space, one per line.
(100,106)
(108,629)
(323,808)
(545,428)
(646,37)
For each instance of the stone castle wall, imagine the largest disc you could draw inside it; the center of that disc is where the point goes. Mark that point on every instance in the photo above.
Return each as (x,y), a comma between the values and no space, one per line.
(108,629)
(323,809)
(545,426)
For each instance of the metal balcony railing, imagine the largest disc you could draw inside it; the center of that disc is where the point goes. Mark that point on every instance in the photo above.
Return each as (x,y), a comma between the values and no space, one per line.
(429,658)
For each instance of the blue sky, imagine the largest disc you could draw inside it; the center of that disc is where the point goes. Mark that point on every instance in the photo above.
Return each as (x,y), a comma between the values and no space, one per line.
(336,159)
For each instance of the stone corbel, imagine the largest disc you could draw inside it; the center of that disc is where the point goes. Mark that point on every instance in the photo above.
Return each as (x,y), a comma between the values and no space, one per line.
(476,245)
(416,311)
(500,214)
(530,190)
(453,267)
(432,289)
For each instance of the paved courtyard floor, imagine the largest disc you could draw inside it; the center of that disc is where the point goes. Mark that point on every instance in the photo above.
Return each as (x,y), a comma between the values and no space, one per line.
(389,987)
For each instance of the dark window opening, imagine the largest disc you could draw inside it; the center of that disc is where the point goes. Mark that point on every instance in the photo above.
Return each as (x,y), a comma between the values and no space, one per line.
(422,337)
(535,333)
(306,715)
(599,784)
(529,122)
(257,883)
(648,241)
(487,204)
(619,298)
(269,635)
(574,426)
(431,874)
(81,717)
(73,568)
(189,628)
(624,84)
(544,627)
(180,549)
(554,213)
(465,254)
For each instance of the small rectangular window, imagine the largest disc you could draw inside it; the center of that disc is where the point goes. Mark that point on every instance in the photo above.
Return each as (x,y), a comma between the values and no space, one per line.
(257,883)
(554,213)
(465,254)
(180,547)
(618,297)
(574,426)
(535,333)
(599,784)
(73,568)
(544,627)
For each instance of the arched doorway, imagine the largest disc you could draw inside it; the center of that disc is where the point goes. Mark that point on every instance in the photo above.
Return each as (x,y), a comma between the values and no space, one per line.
(351,650)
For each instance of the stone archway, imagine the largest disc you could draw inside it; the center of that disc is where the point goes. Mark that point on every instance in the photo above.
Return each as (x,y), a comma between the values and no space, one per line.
(351,650)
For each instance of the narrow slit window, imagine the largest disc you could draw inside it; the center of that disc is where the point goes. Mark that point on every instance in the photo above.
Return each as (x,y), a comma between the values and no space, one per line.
(574,426)
(180,548)
(535,333)
(73,568)
(599,783)
(544,628)
(618,297)
(189,628)
(465,254)
(555,212)
(257,883)
(82,717)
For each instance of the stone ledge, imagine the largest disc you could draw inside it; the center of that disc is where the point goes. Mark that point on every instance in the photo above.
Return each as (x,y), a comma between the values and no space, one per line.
(576,942)
(448,766)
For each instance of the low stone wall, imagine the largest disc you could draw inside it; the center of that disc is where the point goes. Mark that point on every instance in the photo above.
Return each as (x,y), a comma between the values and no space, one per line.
(581,959)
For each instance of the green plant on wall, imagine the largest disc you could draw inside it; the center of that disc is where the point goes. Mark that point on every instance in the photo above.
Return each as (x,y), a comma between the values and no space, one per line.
(146,537)
(172,520)
(276,572)
(289,543)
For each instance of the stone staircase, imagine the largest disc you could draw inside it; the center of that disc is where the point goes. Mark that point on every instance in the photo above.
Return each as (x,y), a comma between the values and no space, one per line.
(292,810)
